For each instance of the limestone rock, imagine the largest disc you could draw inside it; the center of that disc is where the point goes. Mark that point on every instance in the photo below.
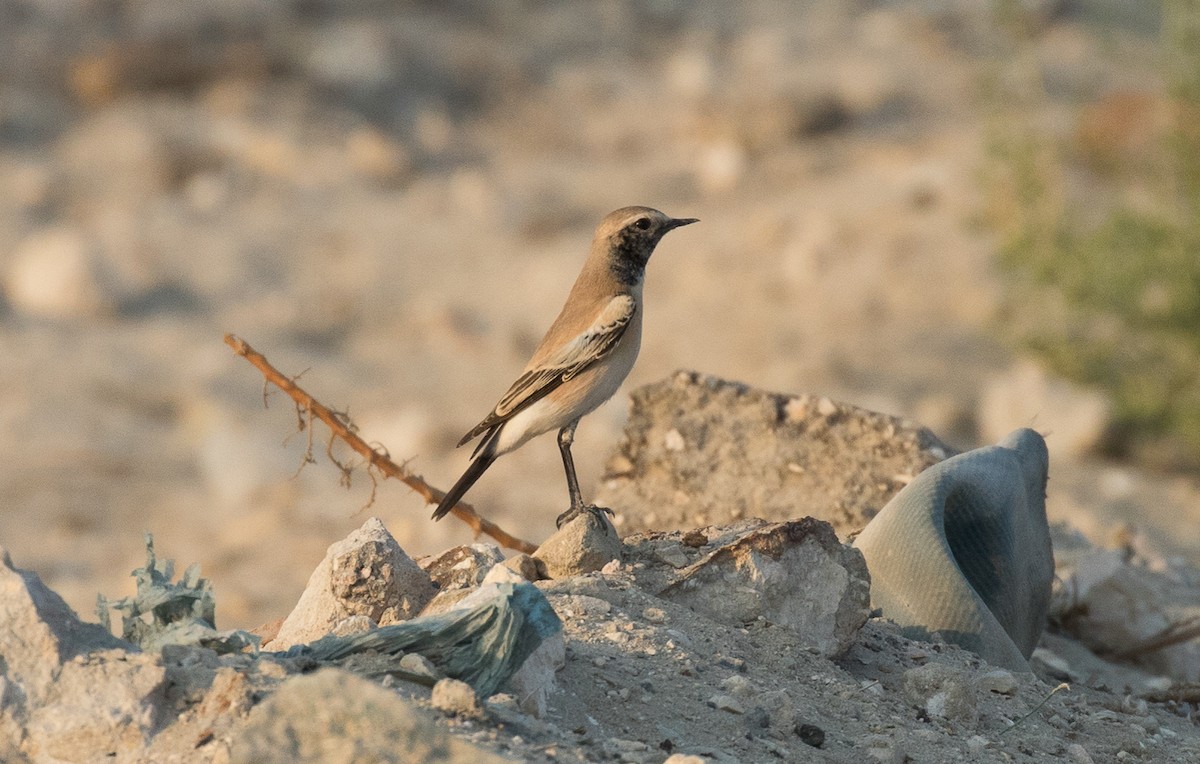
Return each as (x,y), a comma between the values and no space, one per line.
(794,574)
(367,573)
(699,450)
(107,704)
(942,691)
(40,633)
(584,545)
(461,567)
(332,715)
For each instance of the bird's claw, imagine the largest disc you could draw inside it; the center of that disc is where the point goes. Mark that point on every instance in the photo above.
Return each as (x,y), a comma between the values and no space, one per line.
(596,512)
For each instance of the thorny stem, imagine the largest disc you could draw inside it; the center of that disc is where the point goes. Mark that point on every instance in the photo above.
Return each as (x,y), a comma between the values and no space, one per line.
(375,458)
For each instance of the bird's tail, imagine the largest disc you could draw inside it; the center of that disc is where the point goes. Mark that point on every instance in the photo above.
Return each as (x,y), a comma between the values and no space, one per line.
(486,455)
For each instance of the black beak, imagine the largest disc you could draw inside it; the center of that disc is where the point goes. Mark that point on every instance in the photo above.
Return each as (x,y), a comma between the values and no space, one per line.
(674,223)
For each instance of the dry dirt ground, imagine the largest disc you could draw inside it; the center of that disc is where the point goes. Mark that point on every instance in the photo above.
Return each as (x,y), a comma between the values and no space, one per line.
(394,198)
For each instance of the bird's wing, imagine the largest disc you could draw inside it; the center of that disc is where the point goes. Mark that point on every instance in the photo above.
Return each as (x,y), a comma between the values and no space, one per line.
(572,357)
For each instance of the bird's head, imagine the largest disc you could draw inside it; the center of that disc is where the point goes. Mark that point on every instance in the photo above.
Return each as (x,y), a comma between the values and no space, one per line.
(630,234)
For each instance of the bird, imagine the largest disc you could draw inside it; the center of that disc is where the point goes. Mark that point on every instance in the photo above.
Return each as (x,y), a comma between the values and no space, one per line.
(584,357)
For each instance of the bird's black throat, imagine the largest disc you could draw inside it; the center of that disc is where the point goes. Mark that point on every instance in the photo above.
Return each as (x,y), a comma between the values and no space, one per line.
(631,252)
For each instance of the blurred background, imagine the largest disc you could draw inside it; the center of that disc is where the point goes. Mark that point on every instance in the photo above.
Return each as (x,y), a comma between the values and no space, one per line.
(977,215)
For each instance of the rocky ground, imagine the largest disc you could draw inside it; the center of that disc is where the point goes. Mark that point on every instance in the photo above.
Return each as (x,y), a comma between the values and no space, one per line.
(392,198)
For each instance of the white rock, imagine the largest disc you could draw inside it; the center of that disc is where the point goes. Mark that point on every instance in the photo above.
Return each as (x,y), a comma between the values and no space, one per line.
(54,273)
(366,573)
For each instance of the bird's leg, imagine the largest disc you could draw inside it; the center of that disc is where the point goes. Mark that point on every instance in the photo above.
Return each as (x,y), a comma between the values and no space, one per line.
(566,436)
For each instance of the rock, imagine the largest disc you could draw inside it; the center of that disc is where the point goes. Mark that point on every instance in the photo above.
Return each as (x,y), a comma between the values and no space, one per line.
(462,567)
(943,692)
(456,698)
(1050,664)
(535,680)
(54,273)
(1077,754)
(40,635)
(811,734)
(882,748)
(106,704)
(794,574)
(527,567)
(355,624)
(1121,607)
(684,758)
(999,681)
(740,452)
(1027,395)
(727,703)
(739,686)
(415,663)
(332,715)
(584,545)
(367,573)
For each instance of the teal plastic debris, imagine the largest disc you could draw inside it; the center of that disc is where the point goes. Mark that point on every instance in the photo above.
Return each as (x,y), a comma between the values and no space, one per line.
(166,613)
(483,641)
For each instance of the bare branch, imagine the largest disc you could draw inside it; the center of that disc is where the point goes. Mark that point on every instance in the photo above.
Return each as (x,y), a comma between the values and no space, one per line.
(377,459)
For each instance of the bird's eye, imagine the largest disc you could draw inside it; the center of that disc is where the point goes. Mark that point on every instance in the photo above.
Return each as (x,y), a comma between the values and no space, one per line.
(642,223)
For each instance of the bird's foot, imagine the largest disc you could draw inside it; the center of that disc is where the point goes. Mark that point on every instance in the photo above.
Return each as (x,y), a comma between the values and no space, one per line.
(596,512)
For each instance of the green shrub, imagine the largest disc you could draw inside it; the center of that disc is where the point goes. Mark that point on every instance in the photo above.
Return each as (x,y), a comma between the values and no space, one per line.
(1104,290)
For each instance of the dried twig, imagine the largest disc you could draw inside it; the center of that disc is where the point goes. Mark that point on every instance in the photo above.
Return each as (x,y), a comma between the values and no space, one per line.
(375,458)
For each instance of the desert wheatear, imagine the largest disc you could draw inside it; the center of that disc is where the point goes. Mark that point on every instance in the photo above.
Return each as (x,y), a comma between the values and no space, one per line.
(583,358)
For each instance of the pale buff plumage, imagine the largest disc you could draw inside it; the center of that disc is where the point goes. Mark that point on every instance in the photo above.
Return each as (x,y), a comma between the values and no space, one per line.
(585,355)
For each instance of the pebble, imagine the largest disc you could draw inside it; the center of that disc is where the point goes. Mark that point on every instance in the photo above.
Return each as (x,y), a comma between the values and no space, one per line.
(738,686)
(999,681)
(456,698)
(811,734)
(418,664)
(977,743)
(726,703)
(685,758)
(1078,754)
(584,545)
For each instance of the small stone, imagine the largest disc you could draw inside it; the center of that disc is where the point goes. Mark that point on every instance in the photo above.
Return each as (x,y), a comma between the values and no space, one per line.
(738,686)
(826,407)
(942,691)
(584,545)
(456,698)
(528,568)
(654,615)
(726,703)
(462,567)
(883,749)
(976,744)
(355,624)
(694,538)
(1051,664)
(811,734)
(415,663)
(685,758)
(673,556)
(1078,754)
(999,681)
(673,440)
